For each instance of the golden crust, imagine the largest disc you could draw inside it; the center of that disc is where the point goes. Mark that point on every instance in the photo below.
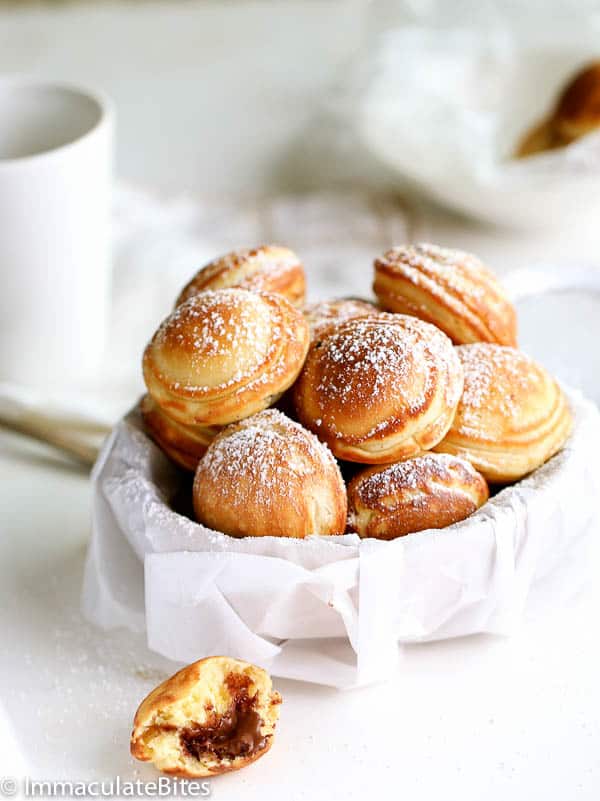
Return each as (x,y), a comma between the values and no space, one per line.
(540,138)
(268,268)
(432,490)
(449,288)
(327,313)
(578,109)
(198,699)
(512,416)
(576,114)
(183,444)
(225,355)
(380,388)
(268,476)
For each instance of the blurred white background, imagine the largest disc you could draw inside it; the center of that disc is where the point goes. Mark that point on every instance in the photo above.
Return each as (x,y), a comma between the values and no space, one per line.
(242,98)
(219,100)
(211,96)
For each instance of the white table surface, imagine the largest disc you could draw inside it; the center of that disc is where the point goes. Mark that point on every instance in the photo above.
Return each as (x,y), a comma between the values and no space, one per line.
(481,717)
(476,718)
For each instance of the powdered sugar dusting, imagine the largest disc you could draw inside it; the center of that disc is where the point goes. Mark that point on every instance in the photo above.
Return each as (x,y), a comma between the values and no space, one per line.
(266,258)
(206,322)
(324,314)
(411,474)
(367,354)
(369,359)
(497,378)
(268,450)
(457,270)
(227,324)
(242,267)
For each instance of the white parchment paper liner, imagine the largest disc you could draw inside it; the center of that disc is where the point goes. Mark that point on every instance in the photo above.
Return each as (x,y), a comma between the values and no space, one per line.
(330,610)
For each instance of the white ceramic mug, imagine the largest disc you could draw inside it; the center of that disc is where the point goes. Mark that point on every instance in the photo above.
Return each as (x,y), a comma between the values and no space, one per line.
(55,177)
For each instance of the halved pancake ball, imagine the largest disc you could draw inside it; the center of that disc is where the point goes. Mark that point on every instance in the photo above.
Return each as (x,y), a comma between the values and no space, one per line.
(214,716)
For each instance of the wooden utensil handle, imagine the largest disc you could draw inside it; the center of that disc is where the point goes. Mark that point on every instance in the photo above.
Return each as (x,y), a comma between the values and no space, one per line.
(70,442)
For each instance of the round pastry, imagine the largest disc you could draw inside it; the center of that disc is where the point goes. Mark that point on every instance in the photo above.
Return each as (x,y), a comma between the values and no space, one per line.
(512,416)
(327,313)
(183,444)
(225,355)
(432,490)
(578,109)
(449,288)
(268,476)
(268,268)
(216,715)
(378,389)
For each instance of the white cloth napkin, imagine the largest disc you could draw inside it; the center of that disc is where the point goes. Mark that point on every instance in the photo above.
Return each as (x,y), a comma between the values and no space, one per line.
(444,105)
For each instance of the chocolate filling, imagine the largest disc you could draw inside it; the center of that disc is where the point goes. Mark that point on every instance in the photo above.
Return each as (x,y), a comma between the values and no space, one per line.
(236,733)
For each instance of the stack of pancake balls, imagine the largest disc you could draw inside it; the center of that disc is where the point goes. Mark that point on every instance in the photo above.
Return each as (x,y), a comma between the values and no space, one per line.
(378,418)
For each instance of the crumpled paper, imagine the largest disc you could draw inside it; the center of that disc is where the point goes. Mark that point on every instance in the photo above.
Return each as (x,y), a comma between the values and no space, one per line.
(330,610)
(443,105)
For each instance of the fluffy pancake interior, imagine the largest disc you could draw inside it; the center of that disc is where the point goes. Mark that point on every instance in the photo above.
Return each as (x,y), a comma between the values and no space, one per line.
(177,735)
